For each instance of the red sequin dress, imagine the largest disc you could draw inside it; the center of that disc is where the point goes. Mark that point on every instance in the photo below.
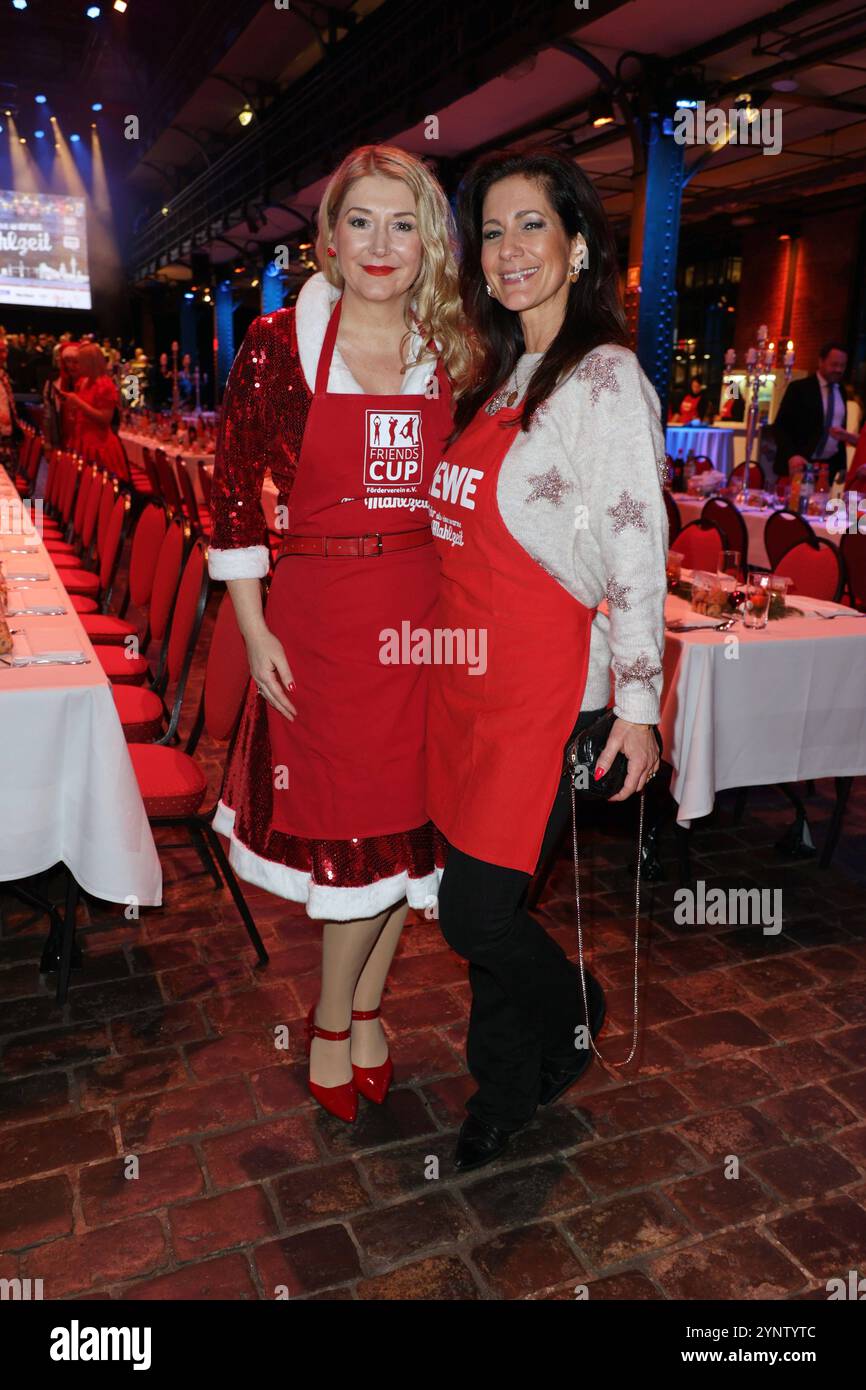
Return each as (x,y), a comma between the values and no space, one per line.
(264,413)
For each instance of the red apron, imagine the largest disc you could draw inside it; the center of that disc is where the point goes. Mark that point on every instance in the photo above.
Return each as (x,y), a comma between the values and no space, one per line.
(495,740)
(351,764)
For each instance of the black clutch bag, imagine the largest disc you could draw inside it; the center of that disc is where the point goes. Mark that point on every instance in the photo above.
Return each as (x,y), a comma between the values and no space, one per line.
(583,753)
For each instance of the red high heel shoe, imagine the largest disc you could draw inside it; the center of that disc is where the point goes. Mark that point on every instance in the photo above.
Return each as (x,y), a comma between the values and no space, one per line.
(341,1100)
(373,1082)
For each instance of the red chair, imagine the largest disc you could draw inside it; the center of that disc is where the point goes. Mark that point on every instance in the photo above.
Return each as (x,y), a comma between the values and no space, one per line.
(172,781)
(108,628)
(852,548)
(168,483)
(198,514)
(205,477)
(675,521)
(702,463)
(756,477)
(150,470)
(701,546)
(816,570)
(141,708)
(724,515)
(783,530)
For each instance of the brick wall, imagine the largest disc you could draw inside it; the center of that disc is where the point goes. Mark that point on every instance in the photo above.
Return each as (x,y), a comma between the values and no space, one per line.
(822,291)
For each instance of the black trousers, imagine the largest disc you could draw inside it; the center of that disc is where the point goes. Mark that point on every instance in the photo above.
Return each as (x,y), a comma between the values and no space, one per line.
(526,998)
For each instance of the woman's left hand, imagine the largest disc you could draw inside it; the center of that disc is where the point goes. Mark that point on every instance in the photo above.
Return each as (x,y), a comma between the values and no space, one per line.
(638,743)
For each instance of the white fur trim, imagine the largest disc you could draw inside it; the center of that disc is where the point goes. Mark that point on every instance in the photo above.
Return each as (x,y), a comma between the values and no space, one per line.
(312,311)
(246,562)
(324,902)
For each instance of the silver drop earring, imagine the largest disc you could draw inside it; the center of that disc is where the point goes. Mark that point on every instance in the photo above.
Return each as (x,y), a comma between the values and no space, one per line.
(489,290)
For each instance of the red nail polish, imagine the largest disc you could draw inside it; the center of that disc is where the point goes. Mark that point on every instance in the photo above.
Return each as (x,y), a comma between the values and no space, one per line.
(599,773)
(291,687)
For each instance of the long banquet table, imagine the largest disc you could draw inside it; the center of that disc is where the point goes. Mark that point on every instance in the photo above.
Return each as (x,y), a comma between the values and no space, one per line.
(68,792)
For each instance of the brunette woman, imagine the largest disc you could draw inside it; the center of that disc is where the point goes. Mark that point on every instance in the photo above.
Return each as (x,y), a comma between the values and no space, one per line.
(346,398)
(549,501)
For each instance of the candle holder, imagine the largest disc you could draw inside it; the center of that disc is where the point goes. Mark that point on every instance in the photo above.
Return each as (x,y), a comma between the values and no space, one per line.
(760,362)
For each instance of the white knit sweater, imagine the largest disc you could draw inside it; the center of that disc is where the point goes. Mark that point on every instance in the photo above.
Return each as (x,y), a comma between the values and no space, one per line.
(581,492)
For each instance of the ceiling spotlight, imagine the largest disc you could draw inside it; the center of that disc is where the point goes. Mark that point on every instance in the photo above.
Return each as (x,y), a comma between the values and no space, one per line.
(120,6)
(96,106)
(1,127)
(19,4)
(254,283)
(246,115)
(93,11)
(164,211)
(39,134)
(601,109)
(75,137)
(188,294)
(40,100)
(22,140)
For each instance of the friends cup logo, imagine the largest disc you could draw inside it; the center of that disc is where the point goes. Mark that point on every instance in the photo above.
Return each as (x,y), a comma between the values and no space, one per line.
(394,449)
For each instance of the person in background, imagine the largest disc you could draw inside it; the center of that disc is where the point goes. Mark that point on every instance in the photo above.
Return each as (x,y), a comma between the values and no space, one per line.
(812,412)
(96,399)
(693,405)
(10,425)
(62,388)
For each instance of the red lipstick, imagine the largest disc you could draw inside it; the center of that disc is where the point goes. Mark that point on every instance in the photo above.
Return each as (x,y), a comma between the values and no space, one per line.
(379,269)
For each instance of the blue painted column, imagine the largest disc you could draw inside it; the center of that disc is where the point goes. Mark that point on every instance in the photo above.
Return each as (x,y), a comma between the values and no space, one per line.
(225,331)
(651,284)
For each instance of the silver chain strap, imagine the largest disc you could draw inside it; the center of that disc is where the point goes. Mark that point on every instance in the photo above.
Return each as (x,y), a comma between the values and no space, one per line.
(616,1065)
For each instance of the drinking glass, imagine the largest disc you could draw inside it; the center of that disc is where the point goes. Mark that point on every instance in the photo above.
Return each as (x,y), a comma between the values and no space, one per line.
(674,570)
(756,599)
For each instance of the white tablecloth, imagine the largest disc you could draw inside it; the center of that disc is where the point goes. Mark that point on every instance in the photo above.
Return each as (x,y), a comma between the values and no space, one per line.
(788,707)
(68,791)
(719,443)
(690,509)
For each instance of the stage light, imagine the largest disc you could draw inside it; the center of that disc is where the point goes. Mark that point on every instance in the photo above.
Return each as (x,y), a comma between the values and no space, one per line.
(686,103)
(75,137)
(246,115)
(120,6)
(40,100)
(39,134)
(188,294)
(164,211)
(1,127)
(96,106)
(254,284)
(19,4)
(93,12)
(22,140)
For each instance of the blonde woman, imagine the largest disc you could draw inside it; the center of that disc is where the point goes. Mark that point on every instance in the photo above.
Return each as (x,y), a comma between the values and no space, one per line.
(346,398)
(92,403)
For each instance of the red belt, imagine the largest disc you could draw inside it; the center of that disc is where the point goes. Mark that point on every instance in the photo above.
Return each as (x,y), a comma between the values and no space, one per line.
(355,547)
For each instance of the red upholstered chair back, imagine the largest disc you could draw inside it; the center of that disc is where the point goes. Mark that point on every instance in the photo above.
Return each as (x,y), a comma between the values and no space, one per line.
(70,482)
(188,611)
(227,675)
(783,530)
(756,477)
(88,525)
(675,521)
(146,542)
(852,547)
(150,470)
(701,546)
(103,517)
(190,501)
(88,473)
(168,487)
(110,552)
(205,477)
(723,514)
(703,464)
(55,476)
(168,568)
(815,569)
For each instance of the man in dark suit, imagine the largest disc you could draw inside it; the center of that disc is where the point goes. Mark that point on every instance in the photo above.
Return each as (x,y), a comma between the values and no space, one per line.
(809,410)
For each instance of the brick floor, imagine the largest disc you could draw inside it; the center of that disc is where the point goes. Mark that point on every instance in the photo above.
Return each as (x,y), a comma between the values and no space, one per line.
(156,1142)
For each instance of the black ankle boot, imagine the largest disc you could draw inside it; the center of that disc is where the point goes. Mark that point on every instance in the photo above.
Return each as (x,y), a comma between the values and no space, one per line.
(556,1077)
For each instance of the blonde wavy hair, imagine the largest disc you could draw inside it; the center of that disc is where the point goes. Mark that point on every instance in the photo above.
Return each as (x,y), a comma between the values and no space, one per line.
(435,293)
(91,360)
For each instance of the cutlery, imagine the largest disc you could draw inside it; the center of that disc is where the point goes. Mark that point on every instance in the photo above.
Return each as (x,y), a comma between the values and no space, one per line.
(19,662)
(18,577)
(34,612)
(828,617)
(676,626)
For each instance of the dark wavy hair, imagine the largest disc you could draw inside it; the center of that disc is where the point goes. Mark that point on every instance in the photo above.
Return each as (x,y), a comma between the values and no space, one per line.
(593,313)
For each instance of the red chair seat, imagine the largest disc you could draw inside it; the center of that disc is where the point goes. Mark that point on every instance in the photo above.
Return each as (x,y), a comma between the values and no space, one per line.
(60,548)
(118,666)
(82,604)
(78,581)
(107,629)
(67,562)
(140,712)
(171,782)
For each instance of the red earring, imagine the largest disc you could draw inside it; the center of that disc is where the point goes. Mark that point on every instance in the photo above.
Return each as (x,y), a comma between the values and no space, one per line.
(331,251)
